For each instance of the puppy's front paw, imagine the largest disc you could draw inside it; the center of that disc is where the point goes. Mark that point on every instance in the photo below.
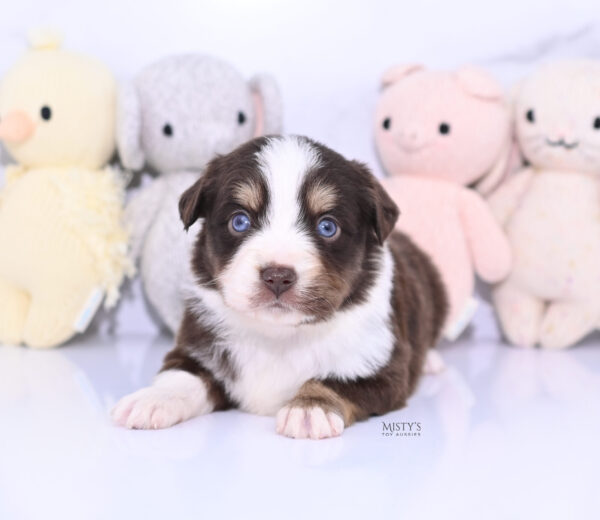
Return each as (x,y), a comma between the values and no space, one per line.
(150,408)
(434,363)
(308,423)
(175,396)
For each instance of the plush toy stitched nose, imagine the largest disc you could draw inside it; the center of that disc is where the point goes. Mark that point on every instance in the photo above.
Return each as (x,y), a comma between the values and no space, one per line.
(278,279)
(409,138)
(16,127)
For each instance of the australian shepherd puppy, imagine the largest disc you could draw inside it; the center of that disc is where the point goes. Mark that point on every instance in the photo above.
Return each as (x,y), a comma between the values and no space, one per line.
(305,304)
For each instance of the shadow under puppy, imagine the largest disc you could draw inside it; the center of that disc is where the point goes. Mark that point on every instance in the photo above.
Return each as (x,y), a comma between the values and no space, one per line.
(302,308)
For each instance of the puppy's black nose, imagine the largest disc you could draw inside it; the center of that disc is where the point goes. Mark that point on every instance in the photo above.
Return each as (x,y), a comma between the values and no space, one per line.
(278,278)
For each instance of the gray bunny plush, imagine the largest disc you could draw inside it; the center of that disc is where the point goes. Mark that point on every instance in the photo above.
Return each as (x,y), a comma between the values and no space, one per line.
(177,115)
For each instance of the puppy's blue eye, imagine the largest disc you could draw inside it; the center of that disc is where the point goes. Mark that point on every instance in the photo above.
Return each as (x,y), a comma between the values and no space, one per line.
(240,222)
(327,227)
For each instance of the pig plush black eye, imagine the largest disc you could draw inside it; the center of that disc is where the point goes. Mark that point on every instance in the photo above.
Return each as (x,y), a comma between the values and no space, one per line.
(168,130)
(387,122)
(597,123)
(444,128)
(530,115)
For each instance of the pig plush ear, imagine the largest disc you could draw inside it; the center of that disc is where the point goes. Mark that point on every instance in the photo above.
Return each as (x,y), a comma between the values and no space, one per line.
(129,128)
(268,107)
(499,171)
(395,74)
(510,159)
(479,83)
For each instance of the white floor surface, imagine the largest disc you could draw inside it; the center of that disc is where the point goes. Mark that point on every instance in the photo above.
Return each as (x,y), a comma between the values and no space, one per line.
(505,433)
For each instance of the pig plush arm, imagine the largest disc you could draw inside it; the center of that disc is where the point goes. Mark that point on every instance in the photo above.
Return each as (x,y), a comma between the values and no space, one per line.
(489,247)
(140,213)
(505,199)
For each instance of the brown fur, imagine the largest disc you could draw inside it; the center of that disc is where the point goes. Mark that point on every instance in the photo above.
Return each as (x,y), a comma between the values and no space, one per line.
(420,306)
(194,352)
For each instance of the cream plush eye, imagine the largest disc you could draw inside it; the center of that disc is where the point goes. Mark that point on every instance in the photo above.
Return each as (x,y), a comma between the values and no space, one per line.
(46,113)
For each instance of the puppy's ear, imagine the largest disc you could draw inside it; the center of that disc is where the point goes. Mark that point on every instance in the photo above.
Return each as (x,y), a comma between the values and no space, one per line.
(192,204)
(383,211)
(386,212)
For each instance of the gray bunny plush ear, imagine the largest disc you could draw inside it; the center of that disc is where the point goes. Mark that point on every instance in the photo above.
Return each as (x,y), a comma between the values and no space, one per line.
(129,124)
(268,105)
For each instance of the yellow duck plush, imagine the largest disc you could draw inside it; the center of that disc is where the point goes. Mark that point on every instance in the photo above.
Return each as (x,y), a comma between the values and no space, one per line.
(63,246)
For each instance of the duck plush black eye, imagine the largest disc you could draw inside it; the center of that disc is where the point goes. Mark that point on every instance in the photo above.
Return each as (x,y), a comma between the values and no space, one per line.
(168,130)
(241,118)
(387,122)
(46,113)
(530,116)
(597,123)
(444,128)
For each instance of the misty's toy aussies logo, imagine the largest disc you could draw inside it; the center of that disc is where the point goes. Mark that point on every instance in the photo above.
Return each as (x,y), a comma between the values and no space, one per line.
(401,429)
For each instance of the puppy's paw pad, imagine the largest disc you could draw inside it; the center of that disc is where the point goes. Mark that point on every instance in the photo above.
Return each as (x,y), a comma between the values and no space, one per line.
(434,363)
(149,408)
(308,423)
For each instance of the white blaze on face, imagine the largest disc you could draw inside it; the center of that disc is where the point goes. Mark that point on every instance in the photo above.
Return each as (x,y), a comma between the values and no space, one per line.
(284,163)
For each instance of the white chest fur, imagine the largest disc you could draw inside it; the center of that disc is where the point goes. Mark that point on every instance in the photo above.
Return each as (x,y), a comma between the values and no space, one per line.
(271,365)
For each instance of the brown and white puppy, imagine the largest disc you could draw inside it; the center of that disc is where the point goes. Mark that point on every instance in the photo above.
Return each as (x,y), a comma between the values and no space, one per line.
(301,308)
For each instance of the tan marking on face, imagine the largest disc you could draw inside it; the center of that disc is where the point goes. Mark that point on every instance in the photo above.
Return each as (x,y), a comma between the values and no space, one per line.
(321,198)
(248,194)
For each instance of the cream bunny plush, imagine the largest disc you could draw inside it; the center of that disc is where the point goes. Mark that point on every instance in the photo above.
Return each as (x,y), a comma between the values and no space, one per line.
(63,243)
(437,134)
(174,117)
(551,210)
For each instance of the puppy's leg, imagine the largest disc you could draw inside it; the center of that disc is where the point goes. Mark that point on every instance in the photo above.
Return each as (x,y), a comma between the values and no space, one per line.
(317,412)
(183,389)
(175,395)
(323,408)
(434,363)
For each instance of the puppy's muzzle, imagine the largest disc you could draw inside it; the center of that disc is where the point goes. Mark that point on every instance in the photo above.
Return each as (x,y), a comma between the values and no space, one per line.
(278,279)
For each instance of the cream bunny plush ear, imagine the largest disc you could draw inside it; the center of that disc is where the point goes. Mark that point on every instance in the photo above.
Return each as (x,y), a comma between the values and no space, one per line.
(129,124)
(479,83)
(268,106)
(395,74)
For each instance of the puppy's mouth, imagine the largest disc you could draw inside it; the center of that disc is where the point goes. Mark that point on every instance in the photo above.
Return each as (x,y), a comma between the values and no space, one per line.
(278,307)
(264,301)
(561,143)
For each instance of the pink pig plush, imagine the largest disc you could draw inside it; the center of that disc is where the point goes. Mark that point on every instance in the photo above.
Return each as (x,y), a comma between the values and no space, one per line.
(438,134)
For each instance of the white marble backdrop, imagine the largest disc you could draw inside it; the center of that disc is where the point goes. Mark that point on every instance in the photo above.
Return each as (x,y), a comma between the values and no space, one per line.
(326,55)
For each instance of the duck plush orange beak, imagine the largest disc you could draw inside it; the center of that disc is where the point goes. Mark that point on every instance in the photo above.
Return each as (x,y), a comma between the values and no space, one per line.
(16,127)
